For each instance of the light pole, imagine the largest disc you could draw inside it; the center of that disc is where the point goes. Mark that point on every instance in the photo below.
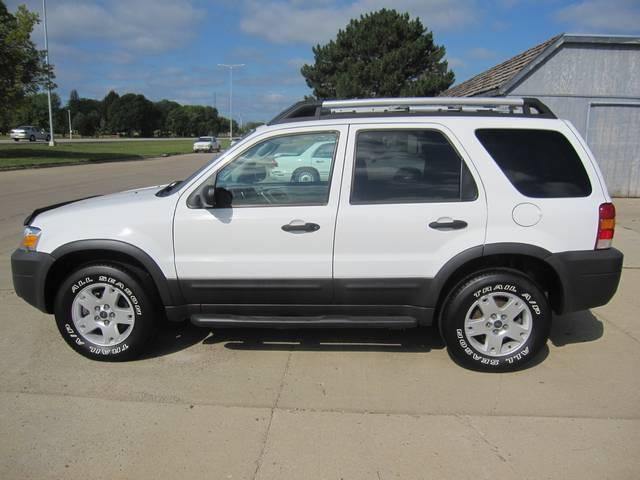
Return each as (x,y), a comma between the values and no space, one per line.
(70,130)
(52,143)
(231,67)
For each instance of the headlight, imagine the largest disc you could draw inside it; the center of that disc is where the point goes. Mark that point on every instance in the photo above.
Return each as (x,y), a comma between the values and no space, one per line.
(30,238)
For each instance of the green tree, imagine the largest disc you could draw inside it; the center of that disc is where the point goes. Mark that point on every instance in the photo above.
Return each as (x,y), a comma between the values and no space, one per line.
(165,107)
(133,113)
(178,122)
(22,66)
(381,54)
(34,110)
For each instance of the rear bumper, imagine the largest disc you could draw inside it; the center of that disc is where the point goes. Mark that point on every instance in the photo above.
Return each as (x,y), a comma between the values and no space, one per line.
(589,278)
(29,271)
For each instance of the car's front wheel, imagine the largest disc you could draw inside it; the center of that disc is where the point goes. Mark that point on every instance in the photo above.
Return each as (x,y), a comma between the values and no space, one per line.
(496,321)
(32,138)
(105,313)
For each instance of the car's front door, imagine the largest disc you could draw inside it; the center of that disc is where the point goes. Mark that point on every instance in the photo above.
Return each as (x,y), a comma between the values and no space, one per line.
(267,241)
(411,202)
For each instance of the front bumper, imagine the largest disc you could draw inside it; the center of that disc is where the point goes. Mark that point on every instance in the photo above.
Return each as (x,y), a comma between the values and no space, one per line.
(589,278)
(29,271)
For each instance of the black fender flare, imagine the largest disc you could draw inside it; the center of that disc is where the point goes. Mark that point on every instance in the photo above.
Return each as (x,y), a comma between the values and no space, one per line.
(477,252)
(169,291)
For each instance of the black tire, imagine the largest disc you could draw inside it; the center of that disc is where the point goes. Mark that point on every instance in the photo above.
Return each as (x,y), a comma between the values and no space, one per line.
(16,139)
(141,306)
(32,138)
(493,287)
(305,175)
(48,137)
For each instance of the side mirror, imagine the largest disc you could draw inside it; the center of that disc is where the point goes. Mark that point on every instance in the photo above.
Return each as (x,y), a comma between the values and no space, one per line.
(208,196)
(212,197)
(223,198)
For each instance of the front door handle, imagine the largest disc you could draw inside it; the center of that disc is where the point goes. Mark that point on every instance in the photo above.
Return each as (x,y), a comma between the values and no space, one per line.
(448,224)
(300,226)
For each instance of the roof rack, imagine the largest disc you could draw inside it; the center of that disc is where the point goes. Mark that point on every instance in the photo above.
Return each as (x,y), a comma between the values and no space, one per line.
(375,107)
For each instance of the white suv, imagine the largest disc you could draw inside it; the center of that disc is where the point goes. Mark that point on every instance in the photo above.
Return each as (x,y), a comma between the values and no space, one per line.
(206,144)
(481,216)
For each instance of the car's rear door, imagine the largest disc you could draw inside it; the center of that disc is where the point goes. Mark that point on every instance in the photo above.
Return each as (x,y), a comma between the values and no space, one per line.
(411,202)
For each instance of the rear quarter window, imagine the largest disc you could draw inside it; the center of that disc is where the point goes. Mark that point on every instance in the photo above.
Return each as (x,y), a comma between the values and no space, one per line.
(538,163)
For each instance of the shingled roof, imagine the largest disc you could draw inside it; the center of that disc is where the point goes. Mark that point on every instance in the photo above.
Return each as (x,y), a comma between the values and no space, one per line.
(490,81)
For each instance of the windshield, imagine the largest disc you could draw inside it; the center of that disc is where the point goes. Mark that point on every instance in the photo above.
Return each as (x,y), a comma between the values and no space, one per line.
(205,139)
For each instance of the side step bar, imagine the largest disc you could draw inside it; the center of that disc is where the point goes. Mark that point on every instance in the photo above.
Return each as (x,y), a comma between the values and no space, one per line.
(236,321)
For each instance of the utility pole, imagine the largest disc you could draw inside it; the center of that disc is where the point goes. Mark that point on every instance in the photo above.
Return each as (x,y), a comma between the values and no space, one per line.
(52,143)
(70,130)
(230,67)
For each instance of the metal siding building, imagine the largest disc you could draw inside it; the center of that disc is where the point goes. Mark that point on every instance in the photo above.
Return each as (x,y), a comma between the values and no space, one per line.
(592,81)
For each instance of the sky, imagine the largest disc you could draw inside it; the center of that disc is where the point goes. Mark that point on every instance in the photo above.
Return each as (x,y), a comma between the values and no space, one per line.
(171,49)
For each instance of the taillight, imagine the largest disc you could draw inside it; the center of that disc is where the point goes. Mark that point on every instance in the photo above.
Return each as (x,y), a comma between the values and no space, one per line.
(606,225)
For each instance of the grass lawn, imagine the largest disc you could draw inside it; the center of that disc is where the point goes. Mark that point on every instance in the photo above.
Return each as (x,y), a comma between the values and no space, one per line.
(26,154)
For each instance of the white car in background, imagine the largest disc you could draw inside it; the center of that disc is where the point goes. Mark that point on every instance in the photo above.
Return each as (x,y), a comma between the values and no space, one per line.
(206,144)
(30,133)
(312,165)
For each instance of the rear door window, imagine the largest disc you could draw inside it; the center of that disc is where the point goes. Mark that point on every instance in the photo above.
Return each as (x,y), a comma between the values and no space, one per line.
(409,166)
(538,163)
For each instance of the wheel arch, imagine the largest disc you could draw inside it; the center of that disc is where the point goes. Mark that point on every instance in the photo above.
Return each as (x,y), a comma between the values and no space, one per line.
(72,255)
(528,259)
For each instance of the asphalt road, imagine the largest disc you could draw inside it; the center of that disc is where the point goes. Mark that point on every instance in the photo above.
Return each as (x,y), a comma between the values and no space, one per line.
(329,404)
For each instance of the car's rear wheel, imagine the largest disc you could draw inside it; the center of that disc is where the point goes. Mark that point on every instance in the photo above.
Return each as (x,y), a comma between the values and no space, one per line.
(305,175)
(105,313)
(496,321)
(48,137)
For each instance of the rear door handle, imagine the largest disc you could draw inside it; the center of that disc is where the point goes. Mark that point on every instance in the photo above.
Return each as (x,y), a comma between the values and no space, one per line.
(448,224)
(299,226)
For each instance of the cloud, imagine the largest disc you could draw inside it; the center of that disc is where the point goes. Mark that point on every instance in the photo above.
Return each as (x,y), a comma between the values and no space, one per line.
(602,16)
(141,26)
(281,21)
(454,62)
(481,53)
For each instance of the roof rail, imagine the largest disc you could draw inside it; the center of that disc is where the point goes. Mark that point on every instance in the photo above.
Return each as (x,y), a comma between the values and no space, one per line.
(476,106)
(425,101)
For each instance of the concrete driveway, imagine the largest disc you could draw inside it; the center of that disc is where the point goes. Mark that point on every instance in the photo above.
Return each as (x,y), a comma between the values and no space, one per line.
(329,404)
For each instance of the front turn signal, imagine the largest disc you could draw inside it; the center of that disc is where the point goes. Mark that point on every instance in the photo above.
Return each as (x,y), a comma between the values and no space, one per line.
(30,238)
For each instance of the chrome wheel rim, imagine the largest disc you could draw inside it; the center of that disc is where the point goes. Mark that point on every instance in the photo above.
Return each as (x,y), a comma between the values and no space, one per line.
(102,314)
(498,324)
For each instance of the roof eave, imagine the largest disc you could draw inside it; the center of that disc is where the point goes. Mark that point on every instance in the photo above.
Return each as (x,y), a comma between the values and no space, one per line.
(506,87)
